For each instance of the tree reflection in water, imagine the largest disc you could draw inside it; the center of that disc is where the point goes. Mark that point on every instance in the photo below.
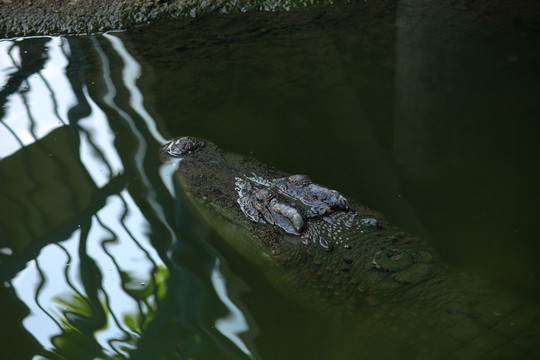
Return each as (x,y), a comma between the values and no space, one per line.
(85,253)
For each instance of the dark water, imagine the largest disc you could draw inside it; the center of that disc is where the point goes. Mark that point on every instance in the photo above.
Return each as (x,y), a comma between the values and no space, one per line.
(429,115)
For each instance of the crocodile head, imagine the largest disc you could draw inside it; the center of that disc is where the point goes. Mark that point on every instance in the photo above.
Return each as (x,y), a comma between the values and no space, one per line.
(259,207)
(206,177)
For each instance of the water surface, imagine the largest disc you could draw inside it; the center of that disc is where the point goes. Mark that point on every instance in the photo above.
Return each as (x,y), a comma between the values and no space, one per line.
(429,116)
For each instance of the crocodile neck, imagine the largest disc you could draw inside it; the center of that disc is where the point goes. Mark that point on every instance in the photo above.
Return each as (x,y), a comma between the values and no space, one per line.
(367,266)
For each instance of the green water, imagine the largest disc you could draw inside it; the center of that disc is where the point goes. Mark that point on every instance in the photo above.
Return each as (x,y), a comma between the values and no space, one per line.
(426,114)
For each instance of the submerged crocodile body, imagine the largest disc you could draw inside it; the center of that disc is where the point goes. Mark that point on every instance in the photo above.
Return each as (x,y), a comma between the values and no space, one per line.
(345,254)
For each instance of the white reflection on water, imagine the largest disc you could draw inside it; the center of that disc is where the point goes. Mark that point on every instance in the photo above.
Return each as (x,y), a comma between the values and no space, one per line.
(234,323)
(130,74)
(98,137)
(26,285)
(33,112)
(117,240)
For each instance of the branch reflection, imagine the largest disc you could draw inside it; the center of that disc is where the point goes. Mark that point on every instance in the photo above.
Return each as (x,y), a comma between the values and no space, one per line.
(86,245)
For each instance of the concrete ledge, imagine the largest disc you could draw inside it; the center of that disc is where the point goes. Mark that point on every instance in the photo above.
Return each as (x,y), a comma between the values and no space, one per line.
(53,17)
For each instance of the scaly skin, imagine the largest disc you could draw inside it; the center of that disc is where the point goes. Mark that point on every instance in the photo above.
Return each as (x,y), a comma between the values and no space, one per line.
(344,255)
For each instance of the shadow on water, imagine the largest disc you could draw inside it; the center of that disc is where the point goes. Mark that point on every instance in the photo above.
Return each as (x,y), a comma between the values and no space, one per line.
(426,113)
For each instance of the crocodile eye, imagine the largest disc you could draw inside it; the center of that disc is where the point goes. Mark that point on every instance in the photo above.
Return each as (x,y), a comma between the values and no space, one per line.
(184,145)
(299,180)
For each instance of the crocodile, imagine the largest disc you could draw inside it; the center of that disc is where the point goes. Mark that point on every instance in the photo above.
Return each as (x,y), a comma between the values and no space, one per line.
(344,255)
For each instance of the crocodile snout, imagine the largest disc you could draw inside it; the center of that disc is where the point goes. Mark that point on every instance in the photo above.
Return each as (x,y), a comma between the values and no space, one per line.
(178,147)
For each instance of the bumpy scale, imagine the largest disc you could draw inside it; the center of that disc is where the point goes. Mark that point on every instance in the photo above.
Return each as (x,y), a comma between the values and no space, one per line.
(299,207)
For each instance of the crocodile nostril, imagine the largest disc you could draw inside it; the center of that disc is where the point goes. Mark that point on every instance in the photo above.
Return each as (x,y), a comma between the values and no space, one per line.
(184,145)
